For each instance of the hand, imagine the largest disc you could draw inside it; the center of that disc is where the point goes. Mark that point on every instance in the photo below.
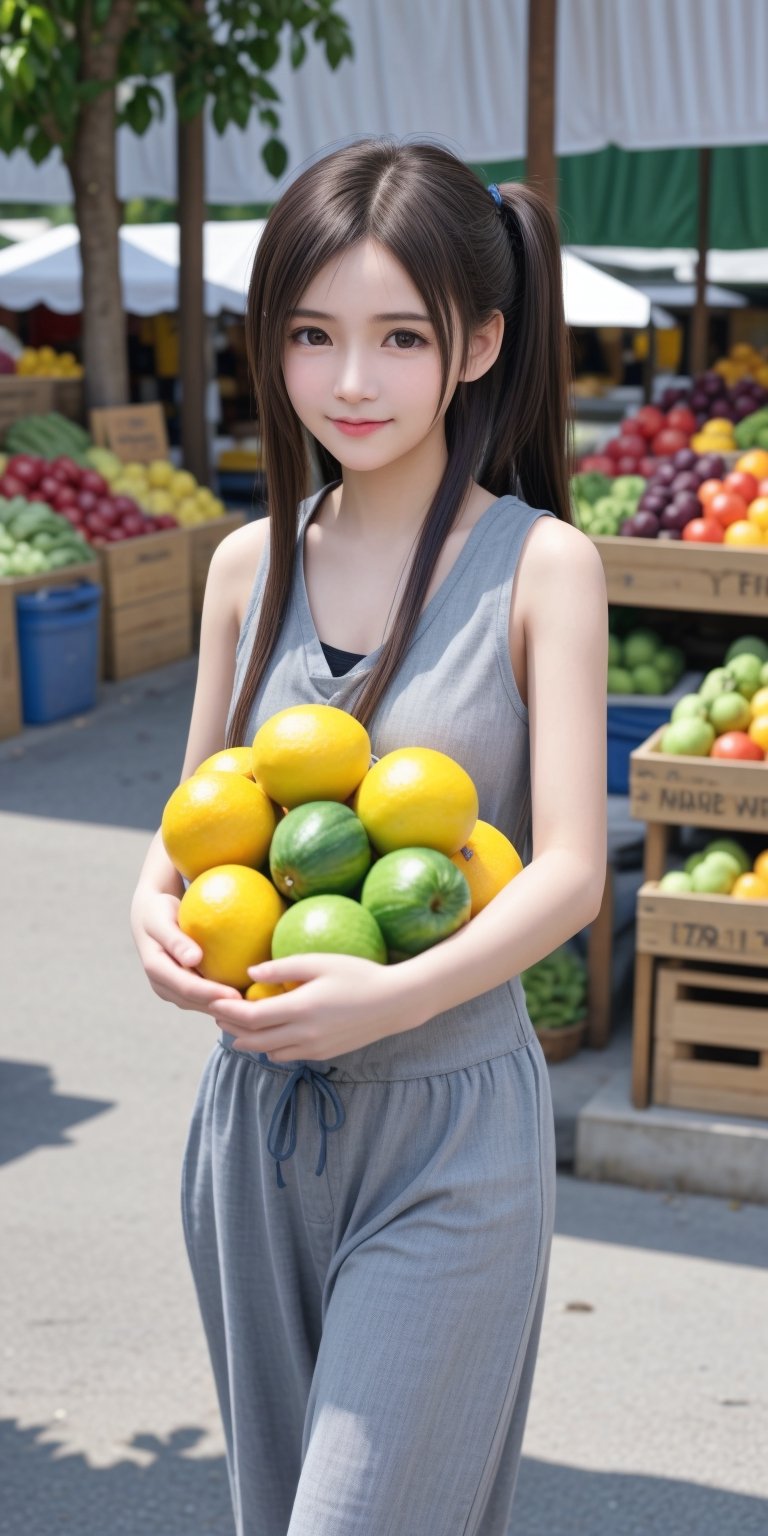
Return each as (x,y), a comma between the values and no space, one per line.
(343,1003)
(168,956)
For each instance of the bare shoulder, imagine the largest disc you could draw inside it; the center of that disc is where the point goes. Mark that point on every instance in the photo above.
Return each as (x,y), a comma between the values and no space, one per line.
(559,560)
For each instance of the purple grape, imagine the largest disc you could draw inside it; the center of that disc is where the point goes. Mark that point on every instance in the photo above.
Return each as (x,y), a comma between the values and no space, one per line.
(686,501)
(646,525)
(699,400)
(652,501)
(664,475)
(701,417)
(676,516)
(686,481)
(685,458)
(721,408)
(669,533)
(710,382)
(743,406)
(713,466)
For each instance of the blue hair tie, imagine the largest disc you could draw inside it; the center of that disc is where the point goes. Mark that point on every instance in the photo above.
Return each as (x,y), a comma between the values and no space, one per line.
(495,194)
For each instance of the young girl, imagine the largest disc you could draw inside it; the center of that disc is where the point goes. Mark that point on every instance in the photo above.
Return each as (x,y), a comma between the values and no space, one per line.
(369,1179)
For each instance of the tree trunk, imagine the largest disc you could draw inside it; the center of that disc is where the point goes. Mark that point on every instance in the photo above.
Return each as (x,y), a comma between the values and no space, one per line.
(192,338)
(541,164)
(92,168)
(699,333)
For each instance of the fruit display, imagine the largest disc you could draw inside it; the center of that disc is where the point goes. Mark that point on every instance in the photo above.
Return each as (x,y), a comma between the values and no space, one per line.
(641,663)
(81,495)
(643,439)
(723,868)
(47,436)
(304,843)
(556,990)
(728,717)
(752,431)
(728,392)
(44,363)
(693,498)
(158,488)
(601,504)
(34,539)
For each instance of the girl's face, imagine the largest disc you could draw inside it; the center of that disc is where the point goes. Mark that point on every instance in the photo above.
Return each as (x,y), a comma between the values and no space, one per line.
(361,362)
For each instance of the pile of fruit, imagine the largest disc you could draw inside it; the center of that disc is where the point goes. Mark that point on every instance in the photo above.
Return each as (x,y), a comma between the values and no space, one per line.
(300,843)
(694,499)
(601,505)
(81,495)
(752,432)
(34,539)
(730,390)
(723,868)
(640,662)
(651,434)
(44,363)
(48,437)
(728,717)
(556,990)
(158,488)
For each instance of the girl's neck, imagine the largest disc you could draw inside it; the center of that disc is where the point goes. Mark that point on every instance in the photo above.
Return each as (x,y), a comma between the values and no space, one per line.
(387,504)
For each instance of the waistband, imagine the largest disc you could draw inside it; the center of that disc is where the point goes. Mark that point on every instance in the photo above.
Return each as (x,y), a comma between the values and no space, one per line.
(492,1024)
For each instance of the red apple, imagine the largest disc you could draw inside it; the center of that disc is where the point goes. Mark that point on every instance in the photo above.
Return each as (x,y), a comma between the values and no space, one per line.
(91,481)
(668,441)
(66,496)
(68,468)
(737,745)
(25,467)
(10,486)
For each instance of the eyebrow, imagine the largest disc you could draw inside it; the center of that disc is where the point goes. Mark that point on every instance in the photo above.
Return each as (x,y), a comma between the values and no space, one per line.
(320,314)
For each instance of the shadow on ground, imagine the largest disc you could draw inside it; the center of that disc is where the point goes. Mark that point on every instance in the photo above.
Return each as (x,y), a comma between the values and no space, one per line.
(50,1492)
(33,1114)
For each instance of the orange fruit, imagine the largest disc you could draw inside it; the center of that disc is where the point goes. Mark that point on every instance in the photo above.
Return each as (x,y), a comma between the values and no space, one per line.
(708,489)
(416,797)
(744,534)
(231,760)
(760,866)
(755,462)
(217,818)
(758,730)
(231,912)
(750,887)
(310,752)
(757,512)
(488,861)
(259,989)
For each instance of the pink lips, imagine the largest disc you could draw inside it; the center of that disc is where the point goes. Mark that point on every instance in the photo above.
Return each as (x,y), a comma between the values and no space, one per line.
(357,428)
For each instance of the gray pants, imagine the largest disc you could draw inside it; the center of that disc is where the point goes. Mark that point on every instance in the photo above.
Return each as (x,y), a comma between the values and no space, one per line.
(373,1327)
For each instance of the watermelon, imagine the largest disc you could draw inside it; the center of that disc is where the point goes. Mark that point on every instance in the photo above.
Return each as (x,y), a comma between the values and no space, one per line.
(317,849)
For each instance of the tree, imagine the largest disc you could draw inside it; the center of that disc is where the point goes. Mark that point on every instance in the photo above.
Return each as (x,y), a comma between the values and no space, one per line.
(73,71)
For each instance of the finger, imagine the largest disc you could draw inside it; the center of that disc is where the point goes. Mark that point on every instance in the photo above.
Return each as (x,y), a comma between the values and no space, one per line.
(266,1013)
(294,968)
(170,937)
(163,970)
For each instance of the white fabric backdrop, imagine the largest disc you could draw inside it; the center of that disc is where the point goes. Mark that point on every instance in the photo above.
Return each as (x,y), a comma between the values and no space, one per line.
(642,74)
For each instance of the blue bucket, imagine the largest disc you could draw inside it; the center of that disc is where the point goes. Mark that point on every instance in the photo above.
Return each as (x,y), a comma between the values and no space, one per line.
(58,629)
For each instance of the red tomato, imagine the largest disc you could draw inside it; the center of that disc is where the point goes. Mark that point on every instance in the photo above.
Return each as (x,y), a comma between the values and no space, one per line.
(648,420)
(703,530)
(737,745)
(599,463)
(614,448)
(727,507)
(742,484)
(762,488)
(669,440)
(707,490)
(632,445)
(680,419)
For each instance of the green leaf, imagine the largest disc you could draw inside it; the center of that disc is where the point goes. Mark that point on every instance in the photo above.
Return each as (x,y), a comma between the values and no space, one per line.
(298,50)
(269,118)
(220,113)
(101,12)
(39,146)
(265,52)
(240,110)
(138,112)
(7,13)
(40,26)
(275,157)
(262,87)
(191,101)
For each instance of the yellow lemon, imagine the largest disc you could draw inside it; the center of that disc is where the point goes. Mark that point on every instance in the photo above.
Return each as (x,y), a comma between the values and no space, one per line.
(217,818)
(760,865)
(259,989)
(310,752)
(231,760)
(759,702)
(750,887)
(744,534)
(717,426)
(160,473)
(416,797)
(488,861)
(231,912)
(182,484)
(758,730)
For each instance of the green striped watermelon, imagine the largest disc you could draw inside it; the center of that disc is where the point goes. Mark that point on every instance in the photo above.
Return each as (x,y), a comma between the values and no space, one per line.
(320,848)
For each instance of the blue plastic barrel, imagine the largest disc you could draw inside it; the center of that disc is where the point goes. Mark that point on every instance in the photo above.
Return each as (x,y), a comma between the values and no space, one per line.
(58,629)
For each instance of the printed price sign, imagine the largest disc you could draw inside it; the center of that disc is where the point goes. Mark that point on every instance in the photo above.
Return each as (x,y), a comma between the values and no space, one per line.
(136,433)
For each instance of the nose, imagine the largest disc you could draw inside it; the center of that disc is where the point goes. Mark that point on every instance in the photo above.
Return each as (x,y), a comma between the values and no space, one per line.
(353,380)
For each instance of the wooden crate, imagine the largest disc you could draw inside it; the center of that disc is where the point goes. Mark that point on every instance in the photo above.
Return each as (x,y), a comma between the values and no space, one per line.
(664,573)
(697,791)
(203,540)
(11,721)
(148,602)
(25,395)
(704,927)
(711,1040)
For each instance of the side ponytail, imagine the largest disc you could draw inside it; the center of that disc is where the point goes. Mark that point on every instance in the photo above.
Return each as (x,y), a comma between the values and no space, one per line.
(531,431)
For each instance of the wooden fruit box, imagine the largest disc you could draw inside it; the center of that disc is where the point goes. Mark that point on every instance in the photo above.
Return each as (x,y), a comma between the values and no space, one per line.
(203,540)
(25,395)
(711,1040)
(665,573)
(11,720)
(701,927)
(148,602)
(697,791)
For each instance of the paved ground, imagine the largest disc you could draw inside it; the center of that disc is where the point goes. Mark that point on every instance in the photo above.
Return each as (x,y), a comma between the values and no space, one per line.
(650,1405)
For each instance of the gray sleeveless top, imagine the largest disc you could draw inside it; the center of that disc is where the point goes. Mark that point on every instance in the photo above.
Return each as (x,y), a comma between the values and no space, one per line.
(455,690)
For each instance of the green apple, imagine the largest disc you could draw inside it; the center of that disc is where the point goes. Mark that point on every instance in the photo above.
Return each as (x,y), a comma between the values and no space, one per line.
(640,646)
(693,861)
(746,670)
(752,644)
(719,680)
(615,655)
(676,882)
(729,712)
(690,706)
(688,738)
(729,845)
(647,679)
(716,874)
(619,680)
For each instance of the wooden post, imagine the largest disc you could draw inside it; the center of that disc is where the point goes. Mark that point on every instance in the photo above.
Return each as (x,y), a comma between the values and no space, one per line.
(192,364)
(699,345)
(541,160)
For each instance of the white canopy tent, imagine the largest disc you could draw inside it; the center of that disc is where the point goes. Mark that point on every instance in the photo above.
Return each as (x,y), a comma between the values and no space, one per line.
(645,76)
(46,270)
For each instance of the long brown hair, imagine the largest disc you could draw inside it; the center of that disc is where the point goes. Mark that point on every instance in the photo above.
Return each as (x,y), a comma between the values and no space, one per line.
(466,255)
